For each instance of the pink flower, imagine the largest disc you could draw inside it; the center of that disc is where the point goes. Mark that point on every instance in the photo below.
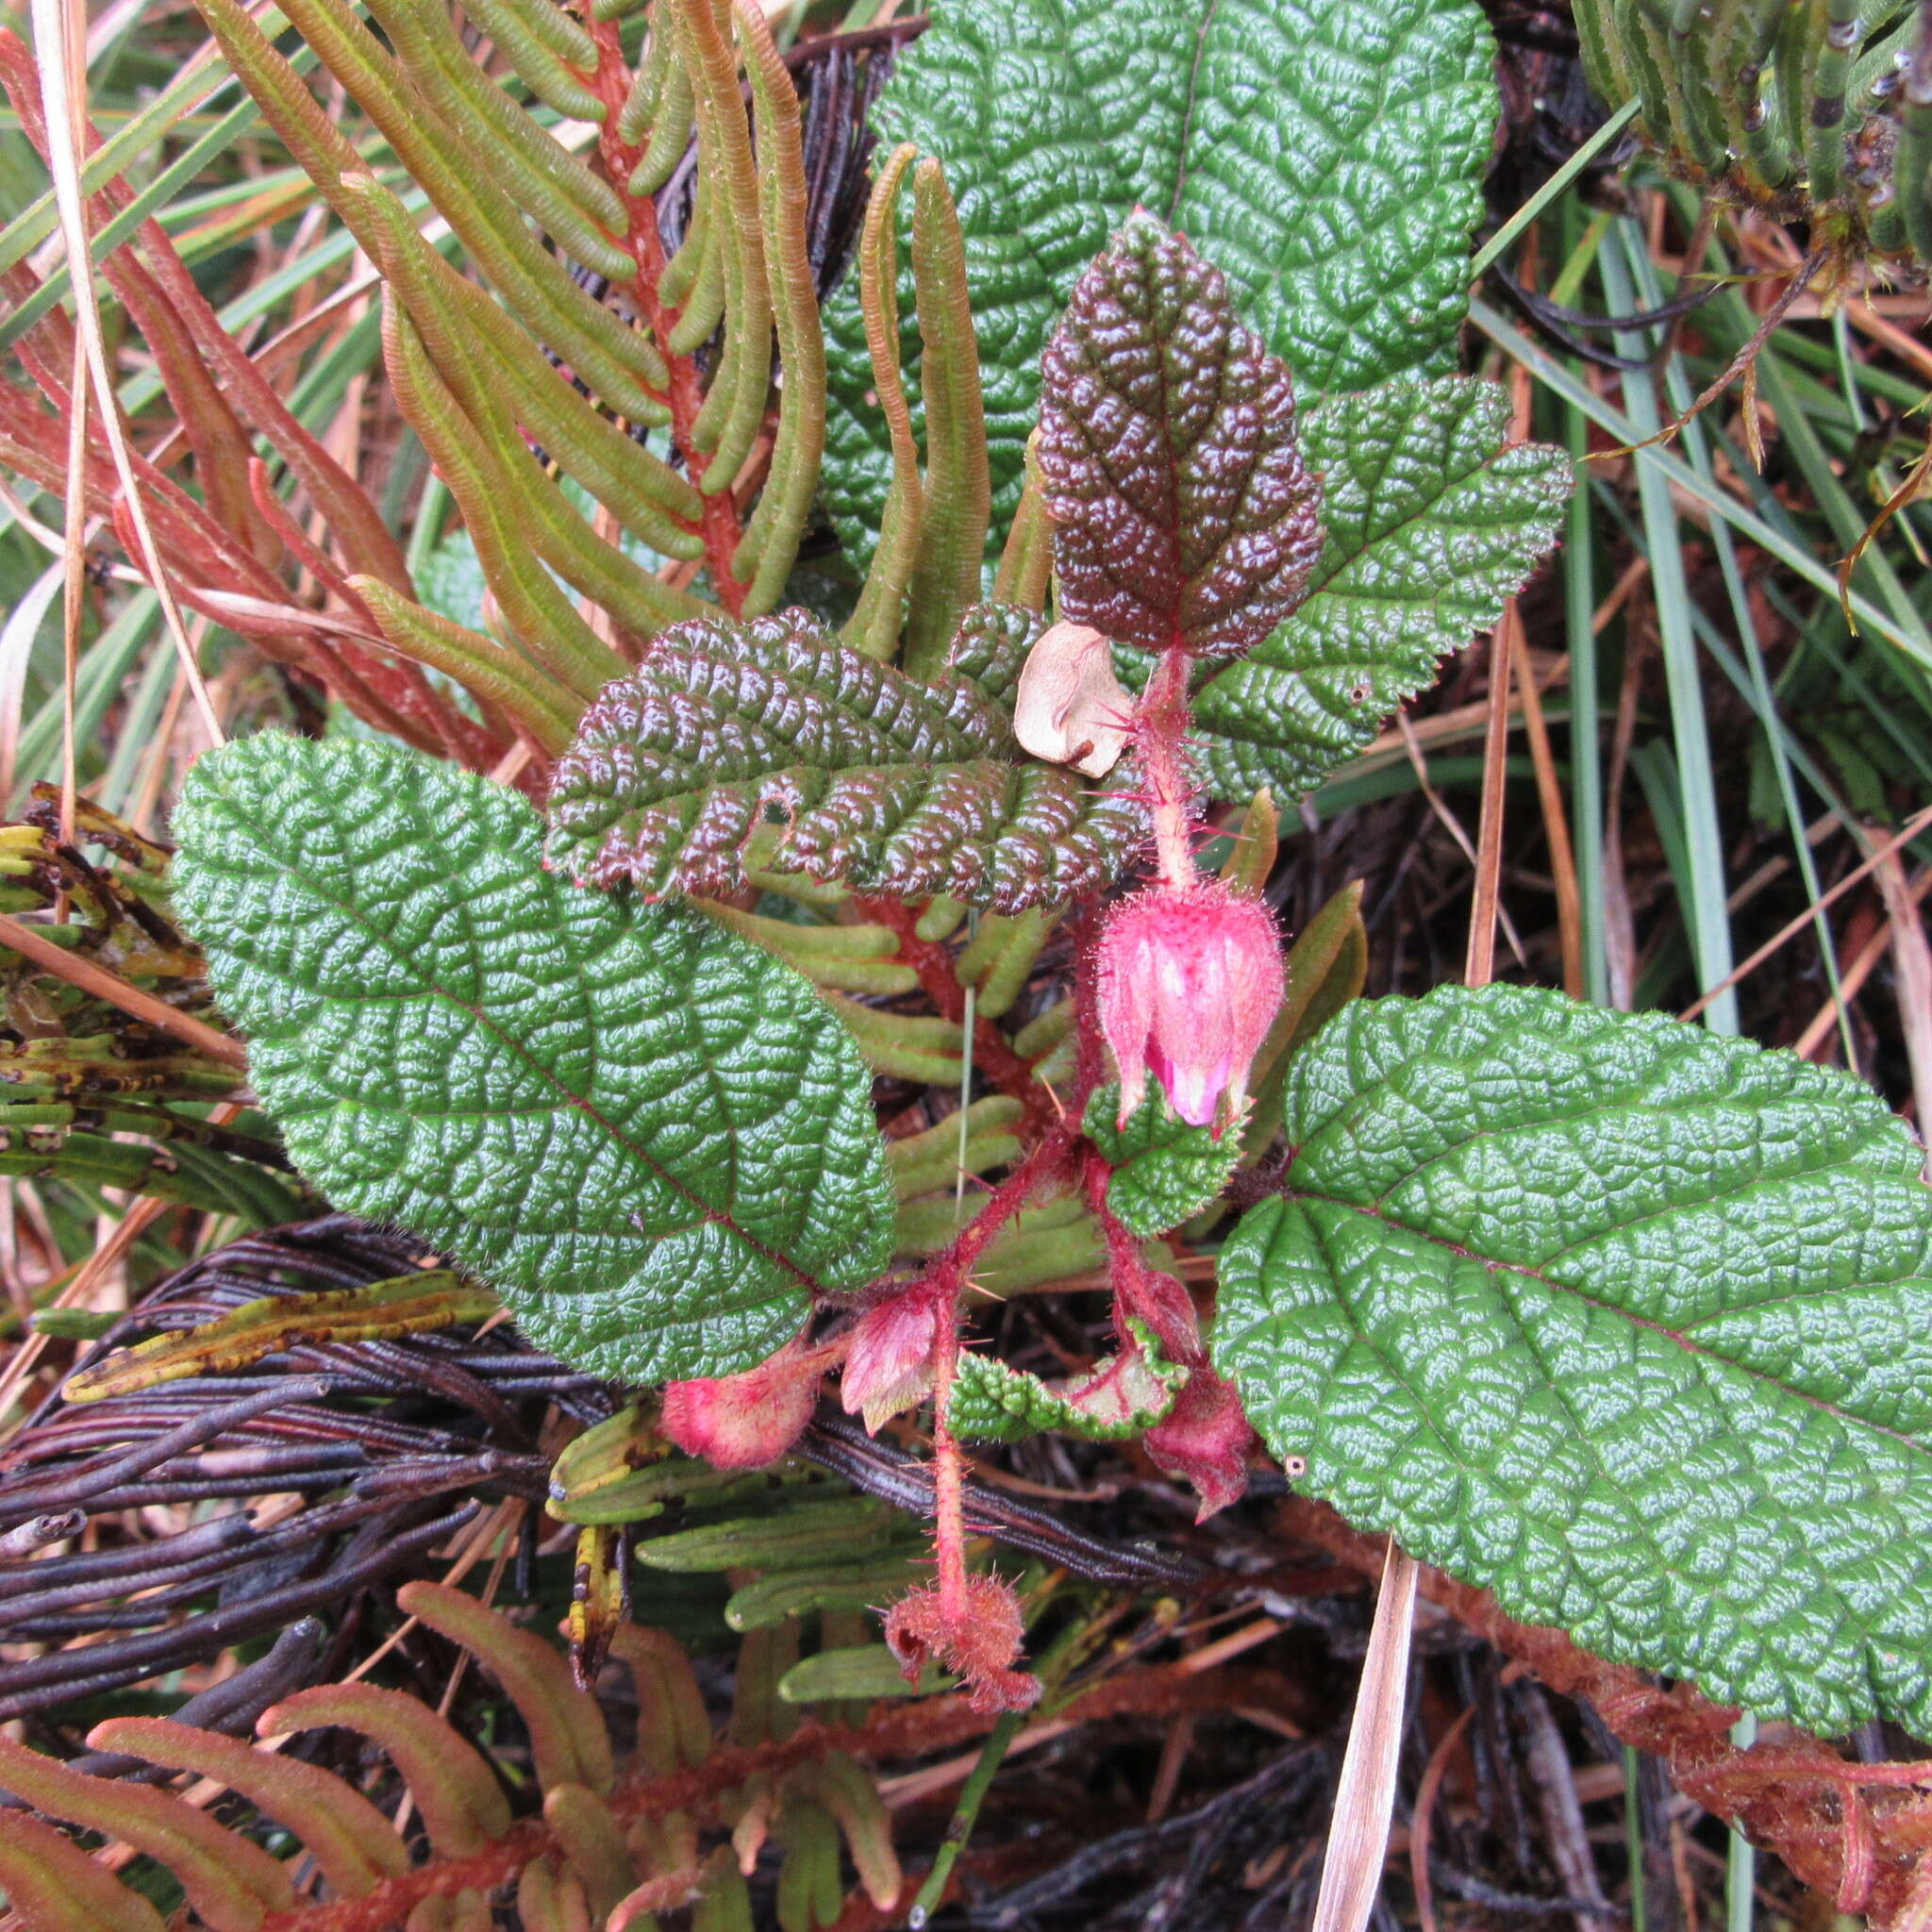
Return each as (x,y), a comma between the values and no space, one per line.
(1190,979)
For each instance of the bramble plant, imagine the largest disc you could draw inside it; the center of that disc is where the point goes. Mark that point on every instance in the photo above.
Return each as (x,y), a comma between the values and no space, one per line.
(1621,1320)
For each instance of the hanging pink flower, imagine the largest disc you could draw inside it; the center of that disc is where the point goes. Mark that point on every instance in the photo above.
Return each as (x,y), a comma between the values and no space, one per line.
(1190,979)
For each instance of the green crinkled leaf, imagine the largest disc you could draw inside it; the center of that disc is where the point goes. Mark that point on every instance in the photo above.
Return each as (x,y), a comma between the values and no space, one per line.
(1165,1172)
(1431,522)
(1628,1322)
(1122,1396)
(1328,157)
(652,1138)
(887,783)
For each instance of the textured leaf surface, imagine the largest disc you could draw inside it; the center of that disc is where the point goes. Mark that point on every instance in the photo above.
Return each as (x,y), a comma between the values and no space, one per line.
(1164,1171)
(1182,514)
(1431,523)
(1328,157)
(887,783)
(1122,1396)
(649,1136)
(1628,1323)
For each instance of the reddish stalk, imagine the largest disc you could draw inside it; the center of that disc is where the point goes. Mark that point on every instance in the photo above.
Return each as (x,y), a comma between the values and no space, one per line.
(1052,1157)
(1127,1271)
(949,1471)
(719,523)
(1160,729)
(939,979)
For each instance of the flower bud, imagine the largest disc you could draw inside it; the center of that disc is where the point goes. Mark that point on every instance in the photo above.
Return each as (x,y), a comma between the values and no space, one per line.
(889,1366)
(1190,979)
(748,1420)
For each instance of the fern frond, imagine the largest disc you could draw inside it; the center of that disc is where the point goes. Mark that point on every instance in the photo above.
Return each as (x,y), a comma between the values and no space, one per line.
(602,1840)
(956,506)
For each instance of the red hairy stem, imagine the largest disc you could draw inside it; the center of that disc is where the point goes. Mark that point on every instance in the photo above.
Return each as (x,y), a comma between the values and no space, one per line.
(939,979)
(1160,730)
(1051,1158)
(720,525)
(948,1473)
(975,1624)
(1127,1271)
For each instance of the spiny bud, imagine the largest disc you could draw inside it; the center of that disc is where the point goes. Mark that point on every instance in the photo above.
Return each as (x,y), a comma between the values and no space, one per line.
(976,1629)
(1190,979)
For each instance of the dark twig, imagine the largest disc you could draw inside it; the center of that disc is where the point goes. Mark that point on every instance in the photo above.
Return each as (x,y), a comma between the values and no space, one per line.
(836,1442)
(44,1682)
(65,1491)
(230,1707)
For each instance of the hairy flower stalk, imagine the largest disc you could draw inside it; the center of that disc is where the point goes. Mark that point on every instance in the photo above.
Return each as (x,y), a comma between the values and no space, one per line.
(971,1623)
(1160,728)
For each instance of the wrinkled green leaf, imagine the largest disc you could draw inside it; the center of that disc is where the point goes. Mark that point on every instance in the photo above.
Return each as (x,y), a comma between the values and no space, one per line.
(650,1137)
(1328,157)
(1122,1396)
(886,782)
(1626,1322)
(1164,1171)
(1431,522)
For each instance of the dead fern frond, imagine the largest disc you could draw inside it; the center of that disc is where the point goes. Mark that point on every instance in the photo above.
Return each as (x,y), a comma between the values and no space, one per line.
(609,1846)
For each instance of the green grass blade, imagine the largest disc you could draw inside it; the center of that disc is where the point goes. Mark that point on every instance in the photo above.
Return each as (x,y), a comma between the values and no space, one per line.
(1706,916)
(1914,645)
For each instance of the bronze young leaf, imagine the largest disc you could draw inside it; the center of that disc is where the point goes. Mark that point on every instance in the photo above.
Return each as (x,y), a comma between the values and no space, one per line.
(1183,512)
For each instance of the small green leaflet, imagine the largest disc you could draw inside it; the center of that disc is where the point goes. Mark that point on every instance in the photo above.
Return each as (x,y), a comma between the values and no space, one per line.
(1165,1172)
(1431,520)
(1328,157)
(650,1137)
(1626,1322)
(1124,1395)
